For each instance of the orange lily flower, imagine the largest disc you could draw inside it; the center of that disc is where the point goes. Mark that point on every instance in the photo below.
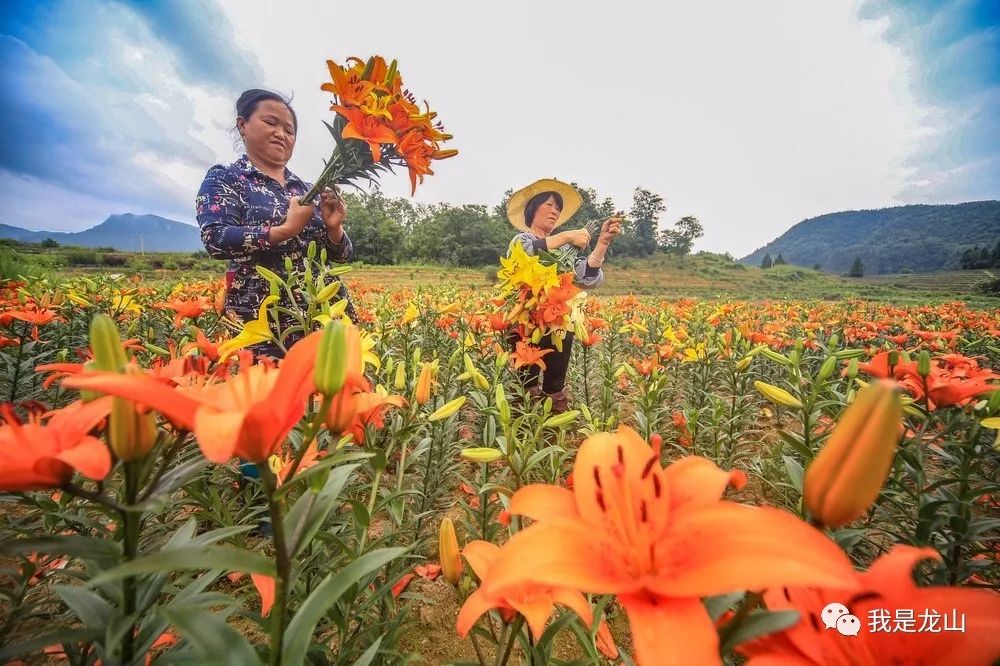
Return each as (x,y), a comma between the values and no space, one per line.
(887,586)
(659,539)
(309,459)
(525,354)
(204,345)
(370,409)
(34,456)
(366,128)
(534,601)
(249,415)
(36,318)
(185,308)
(347,85)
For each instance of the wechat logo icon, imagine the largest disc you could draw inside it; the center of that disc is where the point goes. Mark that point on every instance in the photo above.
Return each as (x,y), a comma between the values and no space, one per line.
(837,616)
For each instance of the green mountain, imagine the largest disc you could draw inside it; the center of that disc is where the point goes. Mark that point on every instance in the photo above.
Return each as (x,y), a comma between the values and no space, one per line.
(126,232)
(918,238)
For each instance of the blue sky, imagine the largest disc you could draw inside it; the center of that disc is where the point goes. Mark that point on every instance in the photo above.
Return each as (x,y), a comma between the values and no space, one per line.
(750,117)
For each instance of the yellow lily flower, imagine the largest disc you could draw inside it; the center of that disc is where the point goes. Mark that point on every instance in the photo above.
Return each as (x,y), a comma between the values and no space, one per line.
(253,332)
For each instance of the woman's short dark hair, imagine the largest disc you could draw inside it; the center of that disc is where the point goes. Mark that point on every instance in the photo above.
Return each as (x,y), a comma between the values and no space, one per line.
(534,202)
(251,99)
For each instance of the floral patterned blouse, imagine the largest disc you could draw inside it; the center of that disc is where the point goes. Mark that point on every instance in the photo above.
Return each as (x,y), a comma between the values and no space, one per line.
(236,206)
(586,275)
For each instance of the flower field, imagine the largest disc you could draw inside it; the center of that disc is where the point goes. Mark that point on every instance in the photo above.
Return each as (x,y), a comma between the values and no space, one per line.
(728,469)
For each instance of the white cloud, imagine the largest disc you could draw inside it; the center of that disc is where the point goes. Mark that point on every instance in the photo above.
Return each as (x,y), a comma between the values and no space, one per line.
(121,124)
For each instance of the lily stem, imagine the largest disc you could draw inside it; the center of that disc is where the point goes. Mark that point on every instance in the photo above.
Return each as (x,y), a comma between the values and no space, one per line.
(131,523)
(282,562)
(514,630)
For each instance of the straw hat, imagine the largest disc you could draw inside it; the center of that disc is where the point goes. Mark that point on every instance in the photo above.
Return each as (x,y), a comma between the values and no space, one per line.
(515,207)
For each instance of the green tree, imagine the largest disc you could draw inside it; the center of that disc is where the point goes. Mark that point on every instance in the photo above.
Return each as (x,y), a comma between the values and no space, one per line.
(377,234)
(779,260)
(857,268)
(766,261)
(645,218)
(50,243)
(467,235)
(681,237)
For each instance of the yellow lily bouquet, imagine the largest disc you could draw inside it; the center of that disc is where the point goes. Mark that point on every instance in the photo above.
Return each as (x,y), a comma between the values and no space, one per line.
(537,299)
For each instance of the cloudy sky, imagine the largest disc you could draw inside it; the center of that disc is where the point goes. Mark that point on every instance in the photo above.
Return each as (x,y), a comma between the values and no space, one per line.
(751,116)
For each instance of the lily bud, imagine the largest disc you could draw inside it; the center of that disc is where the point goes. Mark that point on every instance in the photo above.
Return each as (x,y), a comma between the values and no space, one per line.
(311,250)
(893,359)
(268,275)
(479,379)
(503,407)
(833,341)
(328,292)
(448,552)
(826,370)
(924,363)
(777,395)
(480,454)
(560,420)
(847,474)
(744,363)
(331,360)
(131,434)
(852,369)
(399,383)
(106,344)
(424,381)
(448,409)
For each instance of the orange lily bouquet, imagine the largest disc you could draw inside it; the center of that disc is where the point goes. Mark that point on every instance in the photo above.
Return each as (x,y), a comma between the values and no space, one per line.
(538,300)
(378,125)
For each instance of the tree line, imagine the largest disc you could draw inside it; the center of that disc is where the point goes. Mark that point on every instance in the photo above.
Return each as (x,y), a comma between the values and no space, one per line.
(980,257)
(395,230)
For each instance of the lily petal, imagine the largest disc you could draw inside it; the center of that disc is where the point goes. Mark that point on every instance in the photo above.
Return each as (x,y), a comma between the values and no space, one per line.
(479,602)
(693,480)
(669,632)
(543,502)
(175,405)
(561,554)
(727,546)
(218,433)
(90,457)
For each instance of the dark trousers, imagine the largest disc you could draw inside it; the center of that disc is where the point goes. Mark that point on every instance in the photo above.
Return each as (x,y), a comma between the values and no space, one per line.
(556,364)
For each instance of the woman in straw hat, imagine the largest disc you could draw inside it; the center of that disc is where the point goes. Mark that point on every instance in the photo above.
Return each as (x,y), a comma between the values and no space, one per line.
(536,211)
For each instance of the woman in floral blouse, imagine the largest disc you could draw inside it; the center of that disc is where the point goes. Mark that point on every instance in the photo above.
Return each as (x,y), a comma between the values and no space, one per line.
(240,207)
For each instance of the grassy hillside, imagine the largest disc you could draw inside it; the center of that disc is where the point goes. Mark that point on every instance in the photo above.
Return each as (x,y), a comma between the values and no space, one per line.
(919,238)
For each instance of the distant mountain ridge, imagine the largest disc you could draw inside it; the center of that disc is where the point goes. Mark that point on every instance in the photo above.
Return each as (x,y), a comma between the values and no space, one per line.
(127,232)
(920,238)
